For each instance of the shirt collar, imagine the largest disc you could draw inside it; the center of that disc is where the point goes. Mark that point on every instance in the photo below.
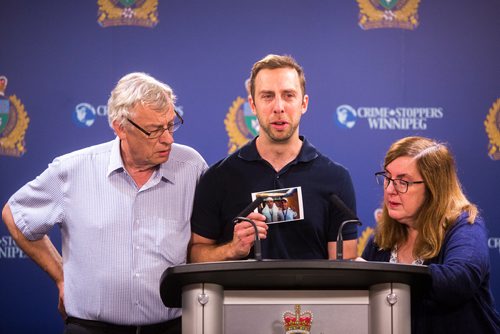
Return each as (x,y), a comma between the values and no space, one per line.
(307,152)
(165,171)
(116,164)
(115,159)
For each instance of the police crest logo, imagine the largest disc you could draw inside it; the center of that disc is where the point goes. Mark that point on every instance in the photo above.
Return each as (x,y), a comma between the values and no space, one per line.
(142,13)
(401,14)
(13,123)
(492,125)
(297,322)
(240,122)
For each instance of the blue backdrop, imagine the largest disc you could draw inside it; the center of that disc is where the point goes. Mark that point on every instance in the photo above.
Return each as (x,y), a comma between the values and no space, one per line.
(439,79)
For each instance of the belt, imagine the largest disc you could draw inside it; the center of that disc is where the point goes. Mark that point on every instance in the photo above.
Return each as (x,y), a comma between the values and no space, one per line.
(106,327)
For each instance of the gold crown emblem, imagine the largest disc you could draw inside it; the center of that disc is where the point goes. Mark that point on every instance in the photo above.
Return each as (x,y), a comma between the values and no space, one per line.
(3,85)
(297,322)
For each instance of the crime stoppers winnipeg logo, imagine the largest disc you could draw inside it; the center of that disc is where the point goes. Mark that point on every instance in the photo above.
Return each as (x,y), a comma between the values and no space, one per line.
(402,14)
(241,124)
(13,123)
(385,118)
(9,248)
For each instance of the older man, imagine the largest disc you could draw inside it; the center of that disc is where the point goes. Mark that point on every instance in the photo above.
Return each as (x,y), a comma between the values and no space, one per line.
(123,208)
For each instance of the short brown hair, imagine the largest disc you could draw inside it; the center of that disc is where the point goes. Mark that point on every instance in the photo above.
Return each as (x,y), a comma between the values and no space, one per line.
(272,62)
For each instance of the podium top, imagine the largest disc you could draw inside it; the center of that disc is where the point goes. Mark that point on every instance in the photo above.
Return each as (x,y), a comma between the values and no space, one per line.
(287,275)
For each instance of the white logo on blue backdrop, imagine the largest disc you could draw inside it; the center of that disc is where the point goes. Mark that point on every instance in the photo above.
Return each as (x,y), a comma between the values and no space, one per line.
(385,118)
(494,243)
(9,248)
(85,114)
(346,116)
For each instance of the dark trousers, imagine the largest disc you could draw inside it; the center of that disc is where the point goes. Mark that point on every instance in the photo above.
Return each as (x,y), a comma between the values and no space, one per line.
(82,326)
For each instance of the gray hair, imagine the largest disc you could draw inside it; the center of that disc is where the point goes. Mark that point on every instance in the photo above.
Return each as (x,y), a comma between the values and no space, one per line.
(138,88)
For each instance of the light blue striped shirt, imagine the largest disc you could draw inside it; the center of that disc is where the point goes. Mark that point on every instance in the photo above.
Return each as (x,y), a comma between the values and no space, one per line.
(116,239)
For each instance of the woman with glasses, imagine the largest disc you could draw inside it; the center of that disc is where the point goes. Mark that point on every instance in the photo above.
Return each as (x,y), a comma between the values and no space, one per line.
(428,220)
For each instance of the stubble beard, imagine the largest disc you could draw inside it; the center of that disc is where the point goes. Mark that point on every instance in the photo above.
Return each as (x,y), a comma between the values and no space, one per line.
(278,136)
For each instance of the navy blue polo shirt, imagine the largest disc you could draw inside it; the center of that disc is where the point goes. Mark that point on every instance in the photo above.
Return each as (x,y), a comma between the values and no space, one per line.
(226,187)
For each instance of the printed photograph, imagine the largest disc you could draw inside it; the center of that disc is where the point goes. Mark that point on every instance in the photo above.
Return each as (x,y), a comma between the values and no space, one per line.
(280,205)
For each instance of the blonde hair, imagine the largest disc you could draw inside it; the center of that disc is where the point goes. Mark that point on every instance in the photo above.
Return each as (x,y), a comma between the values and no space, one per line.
(444,197)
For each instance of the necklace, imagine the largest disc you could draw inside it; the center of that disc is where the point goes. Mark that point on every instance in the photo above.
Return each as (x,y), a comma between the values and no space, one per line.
(394,257)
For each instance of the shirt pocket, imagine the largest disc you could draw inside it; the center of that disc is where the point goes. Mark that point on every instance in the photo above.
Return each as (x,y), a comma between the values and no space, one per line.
(172,237)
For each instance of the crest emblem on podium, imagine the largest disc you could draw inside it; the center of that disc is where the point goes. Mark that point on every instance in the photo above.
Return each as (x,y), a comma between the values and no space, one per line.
(13,123)
(241,124)
(492,125)
(142,13)
(401,14)
(297,322)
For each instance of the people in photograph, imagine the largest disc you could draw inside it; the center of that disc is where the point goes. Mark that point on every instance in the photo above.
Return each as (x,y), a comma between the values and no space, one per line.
(271,211)
(288,212)
(279,157)
(428,220)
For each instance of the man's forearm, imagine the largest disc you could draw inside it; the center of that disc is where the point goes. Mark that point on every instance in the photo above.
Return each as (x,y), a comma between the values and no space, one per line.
(42,251)
(202,252)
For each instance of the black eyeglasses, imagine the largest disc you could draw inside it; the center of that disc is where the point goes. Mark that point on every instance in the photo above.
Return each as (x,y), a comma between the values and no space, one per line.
(400,185)
(172,127)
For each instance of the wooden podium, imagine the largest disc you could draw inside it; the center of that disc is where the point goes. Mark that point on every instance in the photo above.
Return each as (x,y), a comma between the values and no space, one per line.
(239,297)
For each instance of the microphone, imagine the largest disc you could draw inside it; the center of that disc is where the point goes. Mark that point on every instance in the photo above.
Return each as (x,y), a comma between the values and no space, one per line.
(348,217)
(242,217)
(250,207)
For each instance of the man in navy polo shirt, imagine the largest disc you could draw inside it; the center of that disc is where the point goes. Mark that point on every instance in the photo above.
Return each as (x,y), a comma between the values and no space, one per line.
(276,159)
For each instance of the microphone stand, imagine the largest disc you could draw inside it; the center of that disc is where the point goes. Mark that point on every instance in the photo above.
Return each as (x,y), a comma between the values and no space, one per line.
(340,239)
(256,246)
(242,217)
